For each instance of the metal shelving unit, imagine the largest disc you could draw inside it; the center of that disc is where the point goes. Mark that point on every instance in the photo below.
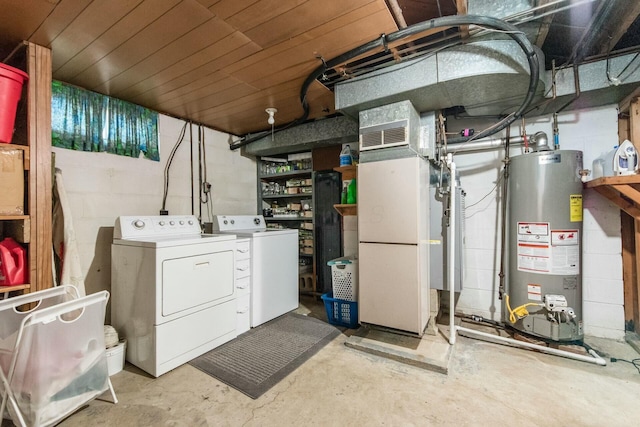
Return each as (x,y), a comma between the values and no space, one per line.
(305,224)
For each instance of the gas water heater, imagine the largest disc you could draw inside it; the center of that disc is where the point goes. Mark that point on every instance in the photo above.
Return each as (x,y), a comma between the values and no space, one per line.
(544,283)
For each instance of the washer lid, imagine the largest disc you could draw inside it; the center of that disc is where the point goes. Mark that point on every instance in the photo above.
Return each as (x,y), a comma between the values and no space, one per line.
(265,233)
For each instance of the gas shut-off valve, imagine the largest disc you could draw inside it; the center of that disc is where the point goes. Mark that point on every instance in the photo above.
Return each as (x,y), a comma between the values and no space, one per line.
(557,306)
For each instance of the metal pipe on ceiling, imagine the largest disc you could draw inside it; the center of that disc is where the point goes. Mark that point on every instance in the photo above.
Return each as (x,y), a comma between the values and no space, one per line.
(396,11)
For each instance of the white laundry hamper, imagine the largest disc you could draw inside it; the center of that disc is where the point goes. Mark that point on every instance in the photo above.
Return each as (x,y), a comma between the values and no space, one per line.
(344,278)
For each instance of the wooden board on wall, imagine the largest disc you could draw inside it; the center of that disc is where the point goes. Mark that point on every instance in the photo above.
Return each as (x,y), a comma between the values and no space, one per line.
(634,123)
(630,273)
(326,158)
(629,128)
(39,137)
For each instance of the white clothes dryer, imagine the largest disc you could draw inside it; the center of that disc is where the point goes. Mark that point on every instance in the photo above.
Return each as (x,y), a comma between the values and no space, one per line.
(172,290)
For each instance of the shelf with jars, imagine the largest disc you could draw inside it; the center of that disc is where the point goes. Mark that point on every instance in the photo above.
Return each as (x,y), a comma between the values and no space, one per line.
(285,197)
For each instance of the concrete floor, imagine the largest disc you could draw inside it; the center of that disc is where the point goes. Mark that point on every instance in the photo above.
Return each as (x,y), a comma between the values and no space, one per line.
(487,384)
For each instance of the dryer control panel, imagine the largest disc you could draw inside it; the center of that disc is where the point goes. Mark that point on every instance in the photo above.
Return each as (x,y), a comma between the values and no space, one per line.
(128,227)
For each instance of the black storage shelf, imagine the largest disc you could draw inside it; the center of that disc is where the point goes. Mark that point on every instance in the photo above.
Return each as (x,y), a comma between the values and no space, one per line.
(287,174)
(300,218)
(288,196)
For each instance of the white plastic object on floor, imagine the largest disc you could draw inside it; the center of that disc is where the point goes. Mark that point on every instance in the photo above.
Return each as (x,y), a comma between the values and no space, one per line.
(115,357)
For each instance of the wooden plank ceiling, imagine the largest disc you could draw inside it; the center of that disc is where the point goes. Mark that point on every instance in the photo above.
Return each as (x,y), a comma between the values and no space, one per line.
(216,62)
(222,62)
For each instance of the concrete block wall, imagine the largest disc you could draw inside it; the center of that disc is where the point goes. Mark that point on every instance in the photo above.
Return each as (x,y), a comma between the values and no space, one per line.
(593,131)
(102,186)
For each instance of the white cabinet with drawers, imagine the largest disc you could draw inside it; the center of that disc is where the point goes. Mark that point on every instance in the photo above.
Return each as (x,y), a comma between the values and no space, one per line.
(243,285)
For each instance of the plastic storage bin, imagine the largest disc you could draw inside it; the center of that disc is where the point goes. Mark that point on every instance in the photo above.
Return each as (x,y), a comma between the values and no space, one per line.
(116,356)
(344,278)
(340,312)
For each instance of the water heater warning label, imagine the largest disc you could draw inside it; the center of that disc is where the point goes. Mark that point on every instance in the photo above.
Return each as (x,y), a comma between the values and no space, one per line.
(534,247)
(534,292)
(565,252)
(575,207)
(545,251)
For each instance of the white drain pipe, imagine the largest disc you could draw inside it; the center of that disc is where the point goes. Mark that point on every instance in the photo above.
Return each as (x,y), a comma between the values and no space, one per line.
(596,359)
(452,247)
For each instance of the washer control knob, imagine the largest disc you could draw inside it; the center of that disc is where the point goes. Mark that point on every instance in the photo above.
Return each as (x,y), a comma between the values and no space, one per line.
(233,221)
(256,221)
(190,222)
(161,223)
(172,223)
(181,222)
(139,224)
(225,222)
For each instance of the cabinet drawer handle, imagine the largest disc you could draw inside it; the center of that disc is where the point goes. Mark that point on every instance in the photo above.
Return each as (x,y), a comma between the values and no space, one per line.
(242,286)
(242,268)
(201,264)
(243,251)
(243,310)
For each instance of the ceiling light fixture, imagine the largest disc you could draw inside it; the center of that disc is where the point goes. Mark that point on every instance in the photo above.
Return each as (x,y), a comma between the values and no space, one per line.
(271,112)
(271,120)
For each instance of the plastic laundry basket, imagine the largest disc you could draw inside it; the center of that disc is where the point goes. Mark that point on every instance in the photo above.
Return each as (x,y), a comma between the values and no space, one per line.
(344,278)
(11,81)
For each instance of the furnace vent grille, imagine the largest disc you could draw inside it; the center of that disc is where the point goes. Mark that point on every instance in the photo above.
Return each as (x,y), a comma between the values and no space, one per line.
(382,136)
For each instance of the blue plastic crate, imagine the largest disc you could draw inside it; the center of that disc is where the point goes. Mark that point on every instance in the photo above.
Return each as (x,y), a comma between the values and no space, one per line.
(341,312)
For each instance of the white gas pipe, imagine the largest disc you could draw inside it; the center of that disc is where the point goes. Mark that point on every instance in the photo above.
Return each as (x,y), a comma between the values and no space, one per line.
(452,247)
(472,333)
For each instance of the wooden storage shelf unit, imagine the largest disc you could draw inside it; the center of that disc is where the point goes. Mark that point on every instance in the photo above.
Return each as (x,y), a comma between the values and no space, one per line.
(346,210)
(5,289)
(624,192)
(13,217)
(348,173)
(33,136)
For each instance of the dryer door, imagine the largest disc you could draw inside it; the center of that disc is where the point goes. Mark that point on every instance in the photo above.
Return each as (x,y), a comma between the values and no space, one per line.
(196,280)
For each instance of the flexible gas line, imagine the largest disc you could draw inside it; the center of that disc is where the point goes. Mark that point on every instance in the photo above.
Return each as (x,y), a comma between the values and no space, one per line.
(520,311)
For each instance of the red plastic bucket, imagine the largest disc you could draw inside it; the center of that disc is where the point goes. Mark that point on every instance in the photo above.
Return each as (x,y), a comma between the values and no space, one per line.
(13,263)
(11,81)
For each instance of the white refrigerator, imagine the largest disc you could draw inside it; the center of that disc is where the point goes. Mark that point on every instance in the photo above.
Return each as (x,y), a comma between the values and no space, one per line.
(393,234)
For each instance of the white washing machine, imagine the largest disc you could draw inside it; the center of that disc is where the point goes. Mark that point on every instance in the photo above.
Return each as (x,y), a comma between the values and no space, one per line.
(274,264)
(172,290)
